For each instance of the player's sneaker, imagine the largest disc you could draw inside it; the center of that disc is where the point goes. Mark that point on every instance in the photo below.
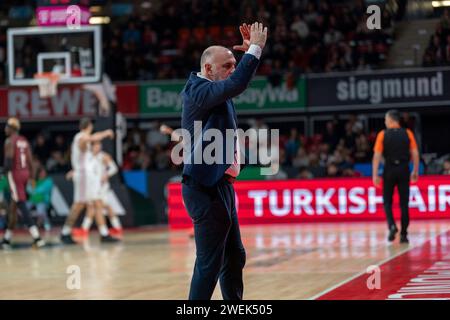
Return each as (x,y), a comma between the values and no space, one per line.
(108,239)
(6,244)
(116,232)
(80,232)
(38,243)
(67,239)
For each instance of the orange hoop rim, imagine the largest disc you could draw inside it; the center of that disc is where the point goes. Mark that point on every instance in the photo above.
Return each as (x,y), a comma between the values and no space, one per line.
(50,76)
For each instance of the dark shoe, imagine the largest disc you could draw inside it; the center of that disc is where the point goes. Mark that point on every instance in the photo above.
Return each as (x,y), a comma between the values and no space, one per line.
(404,238)
(38,243)
(392,232)
(6,244)
(109,239)
(67,239)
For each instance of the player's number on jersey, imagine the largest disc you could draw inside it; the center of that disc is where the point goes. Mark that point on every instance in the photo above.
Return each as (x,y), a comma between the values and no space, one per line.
(23,159)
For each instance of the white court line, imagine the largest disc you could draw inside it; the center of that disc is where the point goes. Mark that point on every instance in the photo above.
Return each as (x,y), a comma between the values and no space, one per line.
(364,272)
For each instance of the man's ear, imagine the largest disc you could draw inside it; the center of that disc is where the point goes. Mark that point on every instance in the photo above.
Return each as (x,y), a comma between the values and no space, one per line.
(208,68)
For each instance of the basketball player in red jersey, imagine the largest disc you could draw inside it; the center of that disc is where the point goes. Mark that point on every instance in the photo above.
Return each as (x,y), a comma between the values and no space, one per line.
(17,166)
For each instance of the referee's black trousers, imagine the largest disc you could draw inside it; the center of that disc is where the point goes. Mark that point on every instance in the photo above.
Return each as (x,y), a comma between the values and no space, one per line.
(220,253)
(396,175)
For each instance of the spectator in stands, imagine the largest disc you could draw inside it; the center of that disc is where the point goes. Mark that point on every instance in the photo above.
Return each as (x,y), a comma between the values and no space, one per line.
(331,137)
(143,161)
(301,159)
(349,140)
(356,123)
(276,76)
(135,135)
(408,121)
(41,148)
(446,167)
(155,138)
(304,173)
(362,150)
(333,171)
(162,158)
(315,167)
(130,157)
(332,36)
(131,34)
(40,191)
(300,27)
(60,145)
(57,163)
(324,152)
(350,173)
(292,145)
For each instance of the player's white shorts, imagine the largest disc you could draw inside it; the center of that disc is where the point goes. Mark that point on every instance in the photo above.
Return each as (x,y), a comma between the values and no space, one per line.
(94,187)
(80,183)
(104,191)
(87,187)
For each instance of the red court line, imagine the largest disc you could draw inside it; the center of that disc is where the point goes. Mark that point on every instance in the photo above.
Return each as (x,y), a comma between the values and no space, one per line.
(420,273)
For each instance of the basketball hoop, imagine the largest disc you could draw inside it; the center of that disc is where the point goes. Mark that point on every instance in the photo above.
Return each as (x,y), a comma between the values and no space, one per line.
(48,83)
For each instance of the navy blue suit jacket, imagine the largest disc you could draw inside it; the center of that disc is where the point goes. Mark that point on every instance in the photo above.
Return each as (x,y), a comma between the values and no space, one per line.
(210,102)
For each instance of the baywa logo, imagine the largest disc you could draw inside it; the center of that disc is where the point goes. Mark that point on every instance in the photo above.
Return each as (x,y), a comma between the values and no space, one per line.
(377,90)
(268,95)
(235,147)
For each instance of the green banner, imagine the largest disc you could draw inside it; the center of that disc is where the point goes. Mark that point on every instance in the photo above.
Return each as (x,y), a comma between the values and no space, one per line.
(163,98)
(261,96)
(160,98)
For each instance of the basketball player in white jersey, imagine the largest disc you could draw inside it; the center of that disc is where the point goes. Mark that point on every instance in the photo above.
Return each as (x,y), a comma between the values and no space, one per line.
(81,155)
(103,168)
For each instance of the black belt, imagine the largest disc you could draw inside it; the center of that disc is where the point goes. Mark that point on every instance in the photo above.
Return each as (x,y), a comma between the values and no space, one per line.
(187,180)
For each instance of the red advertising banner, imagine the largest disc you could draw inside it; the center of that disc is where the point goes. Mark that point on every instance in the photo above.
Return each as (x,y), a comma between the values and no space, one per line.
(71,102)
(128,99)
(25,103)
(322,200)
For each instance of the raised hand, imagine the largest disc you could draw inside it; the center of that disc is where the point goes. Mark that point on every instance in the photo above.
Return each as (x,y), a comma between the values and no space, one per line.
(258,34)
(245,32)
(110,133)
(165,129)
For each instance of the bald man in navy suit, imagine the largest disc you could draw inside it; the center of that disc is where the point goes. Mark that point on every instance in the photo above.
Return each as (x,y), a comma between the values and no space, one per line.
(207,189)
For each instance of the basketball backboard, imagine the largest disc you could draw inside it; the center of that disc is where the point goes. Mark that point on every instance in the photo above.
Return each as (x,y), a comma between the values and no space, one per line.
(75,54)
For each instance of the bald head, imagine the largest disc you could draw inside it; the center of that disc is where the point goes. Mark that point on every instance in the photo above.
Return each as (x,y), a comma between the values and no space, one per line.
(211,53)
(217,63)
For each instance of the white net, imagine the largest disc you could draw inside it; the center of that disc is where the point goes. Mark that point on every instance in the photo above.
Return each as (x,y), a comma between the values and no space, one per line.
(48,84)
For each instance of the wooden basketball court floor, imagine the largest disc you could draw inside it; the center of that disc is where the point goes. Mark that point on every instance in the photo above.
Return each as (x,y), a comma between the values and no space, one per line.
(288,261)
